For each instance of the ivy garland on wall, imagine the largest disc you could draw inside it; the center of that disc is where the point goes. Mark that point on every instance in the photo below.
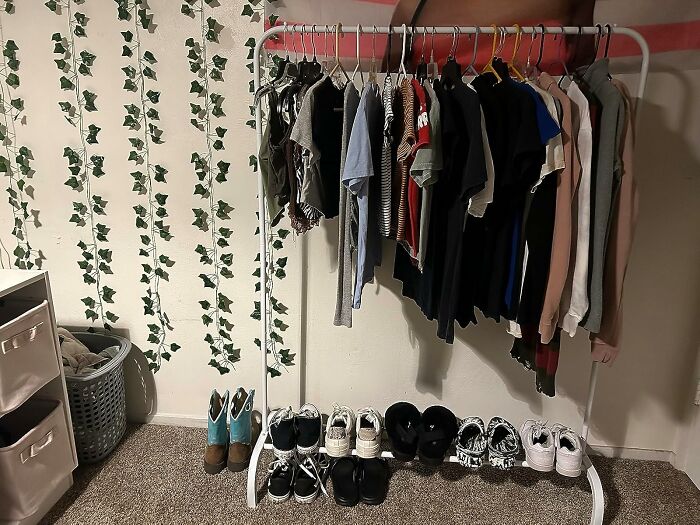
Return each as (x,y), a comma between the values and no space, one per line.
(84,164)
(206,108)
(141,120)
(254,9)
(15,158)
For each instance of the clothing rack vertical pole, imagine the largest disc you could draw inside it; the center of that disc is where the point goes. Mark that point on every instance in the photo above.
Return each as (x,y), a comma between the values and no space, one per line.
(593,478)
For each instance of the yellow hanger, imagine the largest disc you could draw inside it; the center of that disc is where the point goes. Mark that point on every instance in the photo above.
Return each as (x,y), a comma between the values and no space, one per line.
(338,65)
(488,68)
(511,65)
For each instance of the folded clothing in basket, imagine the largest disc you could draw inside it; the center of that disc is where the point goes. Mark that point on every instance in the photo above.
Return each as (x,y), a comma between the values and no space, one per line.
(78,360)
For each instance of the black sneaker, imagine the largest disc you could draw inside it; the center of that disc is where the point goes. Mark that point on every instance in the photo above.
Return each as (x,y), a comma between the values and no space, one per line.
(345,483)
(373,480)
(402,421)
(471,442)
(437,431)
(503,443)
(310,477)
(281,480)
(308,428)
(282,432)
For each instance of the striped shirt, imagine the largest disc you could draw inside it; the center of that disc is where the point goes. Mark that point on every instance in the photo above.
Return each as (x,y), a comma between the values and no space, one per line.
(385,177)
(404,157)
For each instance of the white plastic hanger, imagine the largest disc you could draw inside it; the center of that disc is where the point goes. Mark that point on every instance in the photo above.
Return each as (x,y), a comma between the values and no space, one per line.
(402,66)
(357,52)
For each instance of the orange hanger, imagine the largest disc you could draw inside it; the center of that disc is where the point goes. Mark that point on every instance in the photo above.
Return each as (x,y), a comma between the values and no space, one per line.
(488,68)
(511,65)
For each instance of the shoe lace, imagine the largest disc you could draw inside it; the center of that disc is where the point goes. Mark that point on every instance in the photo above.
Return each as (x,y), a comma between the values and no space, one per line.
(280,464)
(279,415)
(309,410)
(342,412)
(537,427)
(559,430)
(371,415)
(315,466)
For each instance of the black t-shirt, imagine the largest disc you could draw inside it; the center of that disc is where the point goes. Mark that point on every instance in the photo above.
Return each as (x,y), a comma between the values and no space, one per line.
(518,153)
(327,129)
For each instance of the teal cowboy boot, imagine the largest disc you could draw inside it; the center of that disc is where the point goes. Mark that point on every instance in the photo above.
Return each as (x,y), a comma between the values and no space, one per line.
(217,434)
(241,439)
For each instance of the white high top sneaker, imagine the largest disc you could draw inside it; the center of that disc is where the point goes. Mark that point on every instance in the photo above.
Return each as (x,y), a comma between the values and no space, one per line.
(339,431)
(369,433)
(569,451)
(538,443)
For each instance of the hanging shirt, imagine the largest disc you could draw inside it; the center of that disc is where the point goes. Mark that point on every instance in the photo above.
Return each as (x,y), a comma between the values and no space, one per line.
(344,294)
(561,240)
(319,129)
(554,149)
(605,182)
(364,153)
(574,303)
(425,171)
(407,140)
(605,346)
(387,168)
(479,202)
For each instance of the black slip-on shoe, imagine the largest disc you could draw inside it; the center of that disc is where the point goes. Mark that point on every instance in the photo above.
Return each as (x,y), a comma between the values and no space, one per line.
(437,431)
(283,433)
(308,429)
(402,421)
(310,477)
(373,480)
(344,477)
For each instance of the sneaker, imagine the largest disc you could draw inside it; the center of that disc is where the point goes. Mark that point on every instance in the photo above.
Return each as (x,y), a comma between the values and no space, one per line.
(309,478)
(369,433)
(339,431)
(373,477)
(308,428)
(402,421)
(437,432)
(217,433)
(471,442)
(538,443)
(282,432)
(281,480)
(569,451)
(503,443)
(345,483)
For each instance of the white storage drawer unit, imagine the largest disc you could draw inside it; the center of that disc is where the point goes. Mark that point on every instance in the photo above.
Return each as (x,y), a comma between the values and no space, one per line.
(27,357)
(37,448)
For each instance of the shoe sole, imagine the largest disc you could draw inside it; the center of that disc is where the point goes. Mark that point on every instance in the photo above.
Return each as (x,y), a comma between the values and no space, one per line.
(377,501)
(279,499)
(538,467)
(283,454)
(213,469)
(337,448)
(237,467)
(567,472)
(305,499)
(309,450)
(368,449)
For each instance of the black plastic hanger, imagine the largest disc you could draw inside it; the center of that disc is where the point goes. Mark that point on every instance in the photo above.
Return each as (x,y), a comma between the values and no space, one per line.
(422,68)
(452,71)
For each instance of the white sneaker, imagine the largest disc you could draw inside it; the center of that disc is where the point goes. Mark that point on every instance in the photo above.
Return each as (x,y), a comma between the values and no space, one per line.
(369,433)
(339,431)
(538,443)
(569,451)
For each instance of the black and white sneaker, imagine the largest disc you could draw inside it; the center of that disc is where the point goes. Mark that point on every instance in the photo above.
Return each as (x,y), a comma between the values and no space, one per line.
(283,433)
(471,442)
(310,477)
(308,430)
(503,443)
(281,480)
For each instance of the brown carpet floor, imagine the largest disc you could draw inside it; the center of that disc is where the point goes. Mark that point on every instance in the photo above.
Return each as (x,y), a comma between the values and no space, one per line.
(155,476)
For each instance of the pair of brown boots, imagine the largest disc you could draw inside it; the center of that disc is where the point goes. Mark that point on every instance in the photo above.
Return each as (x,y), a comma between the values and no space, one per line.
(230,444)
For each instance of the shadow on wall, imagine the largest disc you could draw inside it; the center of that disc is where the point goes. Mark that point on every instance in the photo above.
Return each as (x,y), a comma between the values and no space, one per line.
(656,366)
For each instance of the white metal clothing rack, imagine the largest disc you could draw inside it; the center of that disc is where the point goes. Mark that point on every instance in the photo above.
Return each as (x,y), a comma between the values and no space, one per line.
(593,478)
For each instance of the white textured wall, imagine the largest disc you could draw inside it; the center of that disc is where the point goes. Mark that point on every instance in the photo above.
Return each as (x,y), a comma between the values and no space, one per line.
(391,353)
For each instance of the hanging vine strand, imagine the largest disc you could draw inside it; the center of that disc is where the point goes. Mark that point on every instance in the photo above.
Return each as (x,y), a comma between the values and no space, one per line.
(84,165)
(15,162)
(142,121)
(207,106)
(275,270)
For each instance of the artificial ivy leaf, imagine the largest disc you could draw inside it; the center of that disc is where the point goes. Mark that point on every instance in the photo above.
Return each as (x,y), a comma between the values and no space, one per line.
(196,87)
(61,64)
(219,61)
(149,57)
(215,74)
(89,100)
(87,58)
(226,258)
(17,103)
(282,233)
(152,114)
(153,96)
(128,36)
(126,51)
(52,5)
(160,198)
(65,83)
(217,111)
(247,10)
(208,283)
(149,73)
(220,132)
(160,173)
(91,137)
(129,71)
(84,70)
(223,166)
(167,261)
(224,303)
(223,209)
(186,10)
(79,31)
(136,142)
(129,85)
(218,145)
(107,294)
(80,18)
(225,232)
(200,190)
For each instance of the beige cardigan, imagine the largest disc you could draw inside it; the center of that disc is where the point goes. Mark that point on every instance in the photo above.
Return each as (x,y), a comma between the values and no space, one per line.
(605,344)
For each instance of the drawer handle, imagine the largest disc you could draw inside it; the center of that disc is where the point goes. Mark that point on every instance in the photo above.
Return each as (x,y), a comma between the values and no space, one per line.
(36,448)
(22,338)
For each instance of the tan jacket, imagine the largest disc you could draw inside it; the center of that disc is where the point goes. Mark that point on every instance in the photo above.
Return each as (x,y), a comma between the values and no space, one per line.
(567,179)
(605,344)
